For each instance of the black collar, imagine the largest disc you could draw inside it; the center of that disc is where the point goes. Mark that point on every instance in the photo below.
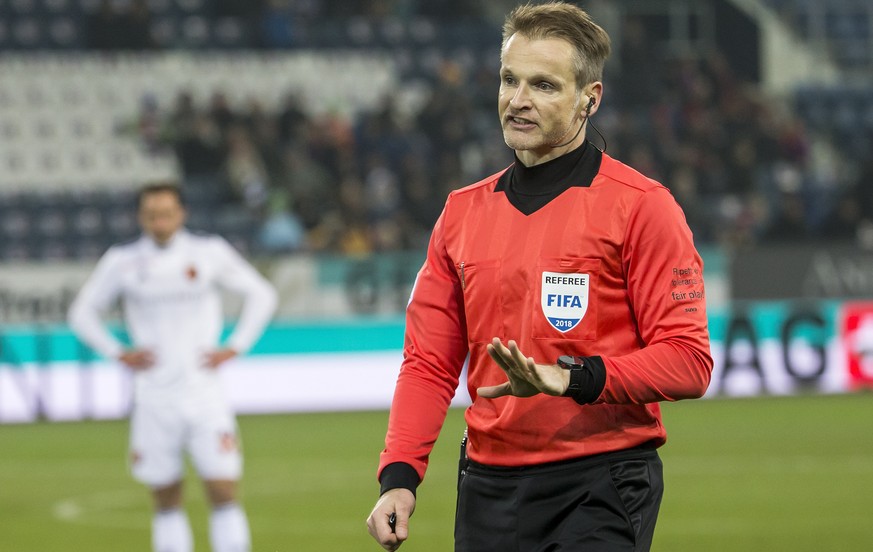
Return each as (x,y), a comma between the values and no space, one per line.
(529,189)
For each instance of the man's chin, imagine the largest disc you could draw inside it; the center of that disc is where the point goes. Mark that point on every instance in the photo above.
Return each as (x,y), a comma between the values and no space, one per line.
(521,143)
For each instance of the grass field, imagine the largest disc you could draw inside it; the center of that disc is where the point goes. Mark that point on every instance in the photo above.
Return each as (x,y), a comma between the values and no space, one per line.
(793,474)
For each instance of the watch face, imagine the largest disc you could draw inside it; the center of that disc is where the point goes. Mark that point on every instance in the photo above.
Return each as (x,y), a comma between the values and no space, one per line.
(566,362)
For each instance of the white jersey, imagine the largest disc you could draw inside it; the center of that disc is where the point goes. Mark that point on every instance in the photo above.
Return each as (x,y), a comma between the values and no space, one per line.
(171,297)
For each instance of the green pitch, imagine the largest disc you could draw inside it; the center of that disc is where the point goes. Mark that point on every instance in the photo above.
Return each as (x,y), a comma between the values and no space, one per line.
(760,474)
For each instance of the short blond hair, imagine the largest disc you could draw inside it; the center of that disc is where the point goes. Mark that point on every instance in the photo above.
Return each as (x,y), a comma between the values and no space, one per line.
(566,22)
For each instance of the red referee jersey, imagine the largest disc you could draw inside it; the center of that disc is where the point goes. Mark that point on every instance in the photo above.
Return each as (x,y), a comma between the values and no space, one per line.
(607,269)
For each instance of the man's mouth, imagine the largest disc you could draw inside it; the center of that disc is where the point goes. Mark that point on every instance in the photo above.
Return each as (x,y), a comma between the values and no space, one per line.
(519,122)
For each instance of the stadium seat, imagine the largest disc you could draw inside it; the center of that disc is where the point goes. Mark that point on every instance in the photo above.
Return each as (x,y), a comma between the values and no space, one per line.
(27,33)
(52,224)
(64,33)
(59,7)
(23,7)
(14,251)
(195,31)
(16,224)
(164,31)
(422,31)
(393,31)
(191,6)
(4,33)
(229,32)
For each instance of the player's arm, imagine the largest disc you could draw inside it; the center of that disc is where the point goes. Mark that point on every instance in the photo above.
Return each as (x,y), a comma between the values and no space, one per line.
(259,301)
(434,352)
(85,316)
(665,286)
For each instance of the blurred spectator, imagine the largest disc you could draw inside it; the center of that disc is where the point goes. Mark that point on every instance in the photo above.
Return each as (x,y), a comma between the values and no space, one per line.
(450,9)
(292,120)
(181,120)
(236,8)
(309,183)
(282,231)
(150,124)
(381,189)
(720,155)
(790,224)
(863,188)
(684,117)
(377,180)
(842,223)
(199,145)
(102,31)
(862,194)
(119,27)
(135,27)
(421,201)
(245,169)
(639,76)
(347,236)
(220,111)
(277,24)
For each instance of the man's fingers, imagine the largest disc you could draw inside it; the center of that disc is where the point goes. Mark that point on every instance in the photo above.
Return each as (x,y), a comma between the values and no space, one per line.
(495,391)
(379,529)
(399,503)
(519,358)
(137,359)
(496,354)
(526,377)
(401,528)
(504,356)
(512,360)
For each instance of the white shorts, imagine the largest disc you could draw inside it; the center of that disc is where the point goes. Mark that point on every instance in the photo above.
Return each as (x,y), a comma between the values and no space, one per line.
(161,434)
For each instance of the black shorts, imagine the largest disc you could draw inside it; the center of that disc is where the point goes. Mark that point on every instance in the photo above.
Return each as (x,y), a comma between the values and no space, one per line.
(603,503)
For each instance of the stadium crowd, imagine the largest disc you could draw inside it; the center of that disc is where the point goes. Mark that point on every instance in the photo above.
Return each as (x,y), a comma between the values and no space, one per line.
(746,168)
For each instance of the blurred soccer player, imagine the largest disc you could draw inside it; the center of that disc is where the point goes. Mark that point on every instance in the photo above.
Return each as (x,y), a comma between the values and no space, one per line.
(587,266)
(170,281)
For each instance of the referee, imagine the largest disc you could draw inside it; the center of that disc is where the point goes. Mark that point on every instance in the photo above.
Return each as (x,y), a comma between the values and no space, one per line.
(570,286)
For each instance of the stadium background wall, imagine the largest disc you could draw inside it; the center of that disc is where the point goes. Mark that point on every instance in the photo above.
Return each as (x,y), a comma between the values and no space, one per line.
(760,348)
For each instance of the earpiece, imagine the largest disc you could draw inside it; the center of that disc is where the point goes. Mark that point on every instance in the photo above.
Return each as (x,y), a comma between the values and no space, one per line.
(577,117)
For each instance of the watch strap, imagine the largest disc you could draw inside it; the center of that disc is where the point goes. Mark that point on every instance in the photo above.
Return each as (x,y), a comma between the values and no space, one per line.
(587,377)
(575,365)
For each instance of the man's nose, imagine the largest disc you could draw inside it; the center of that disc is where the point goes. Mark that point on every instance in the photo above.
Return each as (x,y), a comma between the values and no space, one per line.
(521,97)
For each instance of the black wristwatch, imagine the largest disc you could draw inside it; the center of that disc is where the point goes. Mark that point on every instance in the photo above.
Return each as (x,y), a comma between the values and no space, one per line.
(575,365)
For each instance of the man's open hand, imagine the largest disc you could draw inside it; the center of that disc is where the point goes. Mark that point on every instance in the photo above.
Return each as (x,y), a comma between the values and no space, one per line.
(526,377)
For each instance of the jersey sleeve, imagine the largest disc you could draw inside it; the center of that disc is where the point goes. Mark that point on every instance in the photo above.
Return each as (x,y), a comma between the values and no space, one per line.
(434,351)
(259,296)
(665,286)
(95,298)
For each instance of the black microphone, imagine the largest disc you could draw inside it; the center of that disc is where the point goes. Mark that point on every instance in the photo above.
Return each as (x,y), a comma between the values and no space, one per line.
(587,117)
(574,136)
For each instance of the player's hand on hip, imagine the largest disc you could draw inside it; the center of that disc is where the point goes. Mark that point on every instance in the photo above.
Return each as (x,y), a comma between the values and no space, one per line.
(400,503)
(137,359)
(213,359)
(526,377)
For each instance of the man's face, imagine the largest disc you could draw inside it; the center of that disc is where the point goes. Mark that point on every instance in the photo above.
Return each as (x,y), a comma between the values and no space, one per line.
(538,101)
(161,215)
